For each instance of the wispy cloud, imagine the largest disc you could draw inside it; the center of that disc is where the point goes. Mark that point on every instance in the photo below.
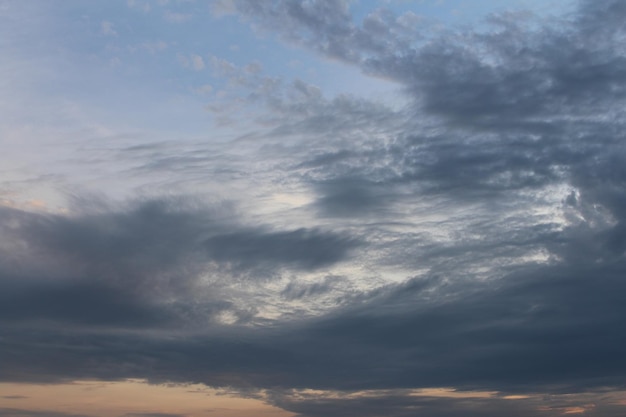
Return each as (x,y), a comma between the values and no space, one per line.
(107,28)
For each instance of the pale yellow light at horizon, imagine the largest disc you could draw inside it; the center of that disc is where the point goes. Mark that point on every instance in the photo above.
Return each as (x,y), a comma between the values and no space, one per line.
(115,399)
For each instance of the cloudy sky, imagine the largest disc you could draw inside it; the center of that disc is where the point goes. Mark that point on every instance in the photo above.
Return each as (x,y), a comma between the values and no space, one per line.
(312,208)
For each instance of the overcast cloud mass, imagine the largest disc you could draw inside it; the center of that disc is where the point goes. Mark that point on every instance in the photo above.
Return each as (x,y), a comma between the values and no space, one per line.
(337,208)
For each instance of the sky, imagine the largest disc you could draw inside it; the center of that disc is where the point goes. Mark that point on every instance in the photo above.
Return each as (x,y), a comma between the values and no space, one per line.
(312,208)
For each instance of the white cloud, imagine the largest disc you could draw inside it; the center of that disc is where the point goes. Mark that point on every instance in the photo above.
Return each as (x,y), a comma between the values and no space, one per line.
(176,17)
(197,62)
(223,7)
(107,28)
(139,5)
(192,61)
(204,89)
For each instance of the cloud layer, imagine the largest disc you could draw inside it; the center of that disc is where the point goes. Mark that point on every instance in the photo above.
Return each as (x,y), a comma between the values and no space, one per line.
(472,236)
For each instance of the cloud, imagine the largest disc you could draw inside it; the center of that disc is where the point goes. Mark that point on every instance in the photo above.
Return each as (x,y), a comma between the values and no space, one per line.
(145,7)
(539,329)
(346,197)
(221,8)
(306,249)
(107,28)
(193,61)
(328,28)
(407,403)
(297,290)
(520,104)
(204,89)
(143,266)
(176,17)
(197,62)
(73,302)
(515,69)
(500,117)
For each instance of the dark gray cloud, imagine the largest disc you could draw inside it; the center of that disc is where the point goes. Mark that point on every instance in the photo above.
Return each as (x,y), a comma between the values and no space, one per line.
(305,249)
(142,266)
(542,329)
(524,102)
(347,197)
(545,328)
(403,404)
(516,69)
(75,302)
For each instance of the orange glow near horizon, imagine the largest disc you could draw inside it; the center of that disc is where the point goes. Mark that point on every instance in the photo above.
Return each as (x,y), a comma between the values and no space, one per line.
(115,399)
(132,398)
